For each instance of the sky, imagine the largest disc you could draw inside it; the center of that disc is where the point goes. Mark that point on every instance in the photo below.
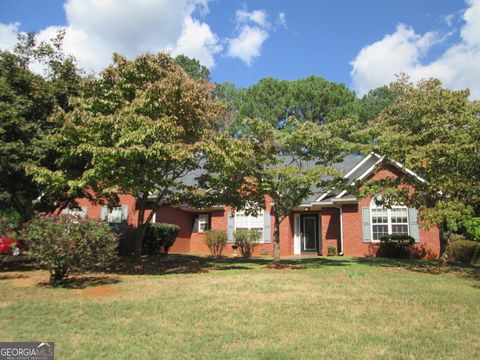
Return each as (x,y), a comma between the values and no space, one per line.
(362,44)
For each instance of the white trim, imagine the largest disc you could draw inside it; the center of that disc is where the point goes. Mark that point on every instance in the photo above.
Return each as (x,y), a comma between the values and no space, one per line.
(297,246)
(361,177)
(350,172)
(389,219)
(358,165)
(203,220)
(260,214)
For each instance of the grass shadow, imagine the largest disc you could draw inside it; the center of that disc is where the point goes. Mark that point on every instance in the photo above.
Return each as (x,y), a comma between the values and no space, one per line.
(432,267)
(82,282)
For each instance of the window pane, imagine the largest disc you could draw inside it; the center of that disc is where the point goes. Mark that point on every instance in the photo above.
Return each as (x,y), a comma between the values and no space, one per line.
(115,215)
(203,222)
(379,230)
(400,229)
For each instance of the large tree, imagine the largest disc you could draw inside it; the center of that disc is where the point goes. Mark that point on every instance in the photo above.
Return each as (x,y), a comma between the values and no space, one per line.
(26,102)
(142,125)
(435,132)
(287,164)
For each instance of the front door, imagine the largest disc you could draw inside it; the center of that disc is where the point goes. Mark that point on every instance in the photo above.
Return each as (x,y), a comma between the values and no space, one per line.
(309,231)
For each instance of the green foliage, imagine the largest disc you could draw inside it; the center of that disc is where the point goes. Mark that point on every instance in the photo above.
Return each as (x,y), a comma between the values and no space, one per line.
(465,251)
(9,224)
(141,126)
(472,228)
(63,244)
(247,240)
(332,250)
(309,99)
(434,132)
(160,237)
(395,246)
(26,102)
(216,240)
(193,67)
(287,164)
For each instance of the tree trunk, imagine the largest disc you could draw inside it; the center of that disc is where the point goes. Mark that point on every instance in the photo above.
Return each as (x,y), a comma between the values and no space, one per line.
(142,224)
(140,230)
(276,239)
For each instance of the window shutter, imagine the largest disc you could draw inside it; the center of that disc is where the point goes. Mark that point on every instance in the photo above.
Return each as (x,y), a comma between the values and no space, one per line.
(267,232)
(195,223)
(367,237)
(84,212)
(209,226)
(103,213)
(413,224)
(124,213)
(230,226)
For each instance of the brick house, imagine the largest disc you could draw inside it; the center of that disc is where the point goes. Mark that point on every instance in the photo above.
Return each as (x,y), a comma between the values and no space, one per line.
(335,218)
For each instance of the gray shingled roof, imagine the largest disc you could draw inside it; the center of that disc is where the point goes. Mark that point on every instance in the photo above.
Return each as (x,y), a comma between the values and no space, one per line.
(348,163)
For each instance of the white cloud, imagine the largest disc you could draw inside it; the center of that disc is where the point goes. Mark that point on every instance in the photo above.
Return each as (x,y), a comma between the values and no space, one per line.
(198,41)
(252,31)
(458,67)
(282,19)
(8,35)
(96,29)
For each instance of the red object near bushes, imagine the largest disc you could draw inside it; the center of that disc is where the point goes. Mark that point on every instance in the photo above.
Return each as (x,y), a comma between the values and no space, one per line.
(11,246)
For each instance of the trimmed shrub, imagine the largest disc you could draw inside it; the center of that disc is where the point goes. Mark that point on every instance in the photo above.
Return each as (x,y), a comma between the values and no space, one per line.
(216,240)
(395,246)
(159,237)
(332,250)
(465,251)
(247,240)
(64,244)
(455,237)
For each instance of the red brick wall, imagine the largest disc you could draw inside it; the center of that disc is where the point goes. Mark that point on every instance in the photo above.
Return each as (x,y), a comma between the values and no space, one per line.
(352,227)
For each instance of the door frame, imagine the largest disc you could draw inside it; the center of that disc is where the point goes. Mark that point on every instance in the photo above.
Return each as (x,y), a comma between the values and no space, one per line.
(317,232)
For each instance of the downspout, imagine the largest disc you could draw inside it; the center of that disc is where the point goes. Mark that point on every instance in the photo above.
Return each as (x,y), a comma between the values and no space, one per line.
(340,212)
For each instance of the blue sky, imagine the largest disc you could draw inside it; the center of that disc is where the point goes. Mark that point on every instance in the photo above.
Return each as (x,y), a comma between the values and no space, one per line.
(360,43)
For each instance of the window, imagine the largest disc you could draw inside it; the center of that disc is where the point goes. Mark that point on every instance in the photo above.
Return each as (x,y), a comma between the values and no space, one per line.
(115,215)
(203,220)
(78,212)
(388,221)
(243,221)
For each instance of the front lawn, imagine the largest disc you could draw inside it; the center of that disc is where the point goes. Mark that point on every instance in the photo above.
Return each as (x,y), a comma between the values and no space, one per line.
(186,307)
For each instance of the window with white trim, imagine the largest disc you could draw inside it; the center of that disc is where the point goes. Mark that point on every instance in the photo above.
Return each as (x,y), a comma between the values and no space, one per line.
(388,221)
(115,215)
(243,221)
(203,222)
(77,212)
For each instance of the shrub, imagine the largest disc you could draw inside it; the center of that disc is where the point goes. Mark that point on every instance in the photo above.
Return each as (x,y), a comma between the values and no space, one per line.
(65,244)
(8,227)
(455,237)
(465,251)
(395,246)
(159,236)
(247,241)
(472,228)
(216,240)
(332,250)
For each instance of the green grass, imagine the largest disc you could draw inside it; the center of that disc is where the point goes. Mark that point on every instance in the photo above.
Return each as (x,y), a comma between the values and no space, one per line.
(185,307)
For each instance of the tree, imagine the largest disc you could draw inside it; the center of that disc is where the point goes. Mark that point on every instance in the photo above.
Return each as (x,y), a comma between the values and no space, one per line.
(26,102)
(142,126)
(286,164)
(435,132)
(193,67)
(309,99)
